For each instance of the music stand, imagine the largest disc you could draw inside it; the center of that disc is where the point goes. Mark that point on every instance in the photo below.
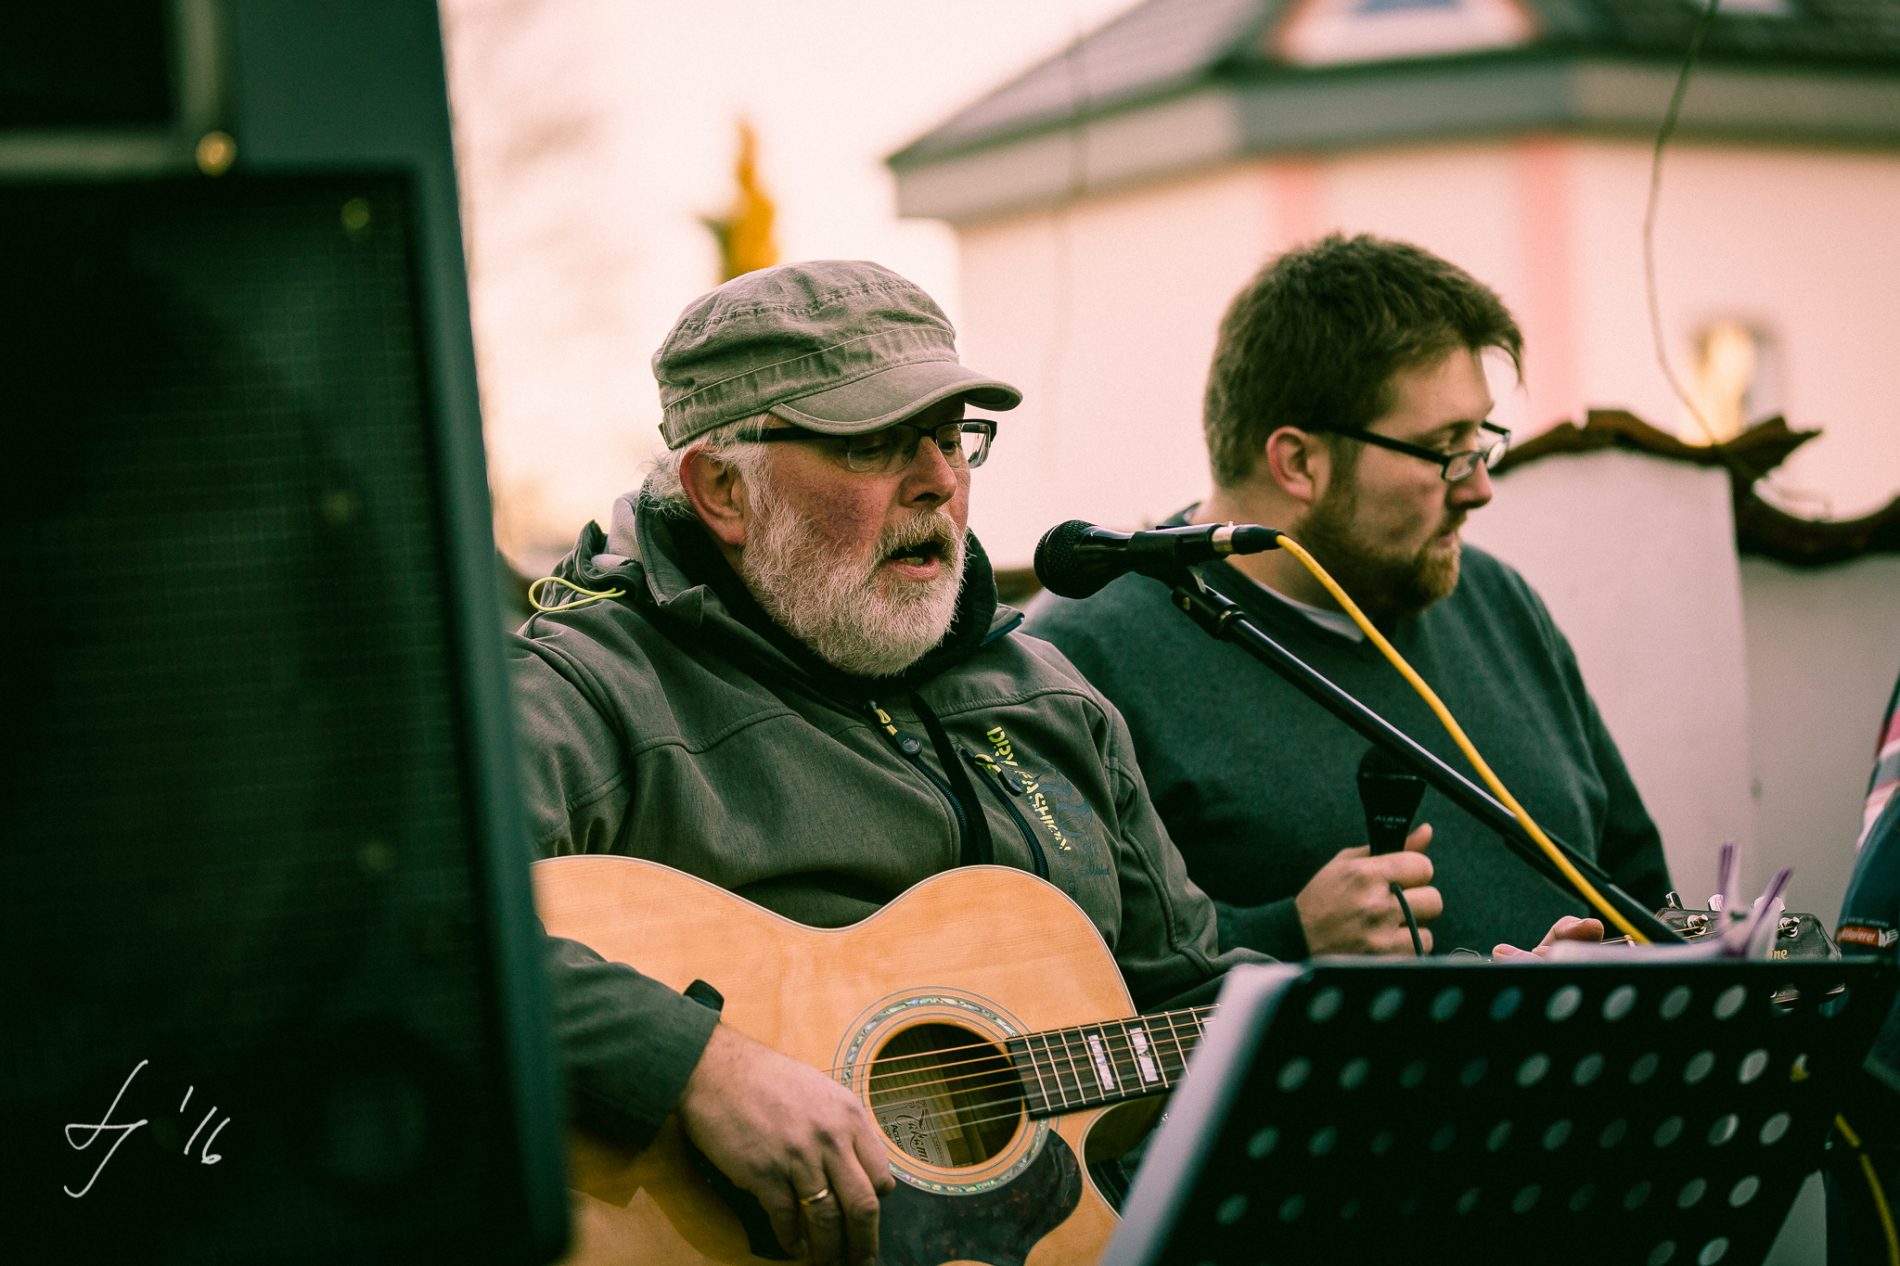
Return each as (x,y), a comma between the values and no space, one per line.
(1633,1111)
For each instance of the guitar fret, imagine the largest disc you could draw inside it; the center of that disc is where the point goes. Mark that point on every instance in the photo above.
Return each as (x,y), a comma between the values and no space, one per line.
(1067,1069)
(1055,1070)
(1196,1031)
(1099,1060)
(1088,1073)
(1115,1049)
(1021,1053)
(1138,1054)
(1081,1067)
(1075,1076)
(1042,1083)
(1161,1054)
(1128,1069)
(1177,1064)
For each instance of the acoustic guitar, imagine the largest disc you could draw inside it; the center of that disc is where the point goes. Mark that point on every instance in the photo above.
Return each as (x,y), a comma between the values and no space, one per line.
(979,1018)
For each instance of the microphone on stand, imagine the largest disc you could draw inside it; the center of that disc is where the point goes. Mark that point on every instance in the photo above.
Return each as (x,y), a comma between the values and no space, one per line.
(1075,559)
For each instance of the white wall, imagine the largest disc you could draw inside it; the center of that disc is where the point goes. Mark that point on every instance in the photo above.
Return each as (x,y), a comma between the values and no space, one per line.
(1105,311)
(1823,651)
(1506,212)
(1802,241)
(1106,325)
(1635,558)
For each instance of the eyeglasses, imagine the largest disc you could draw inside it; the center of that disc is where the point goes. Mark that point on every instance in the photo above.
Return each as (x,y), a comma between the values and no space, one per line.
(882,452)
(1451,466)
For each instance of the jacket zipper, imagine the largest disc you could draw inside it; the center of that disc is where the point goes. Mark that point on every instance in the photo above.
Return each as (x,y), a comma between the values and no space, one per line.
(911,748)
(1007,785)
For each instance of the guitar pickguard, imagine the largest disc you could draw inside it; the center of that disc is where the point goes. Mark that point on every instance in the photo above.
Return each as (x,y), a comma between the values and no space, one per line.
(999,1226)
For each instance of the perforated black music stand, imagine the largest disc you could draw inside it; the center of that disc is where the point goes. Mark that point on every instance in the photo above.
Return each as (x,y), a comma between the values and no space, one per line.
(1635,1111)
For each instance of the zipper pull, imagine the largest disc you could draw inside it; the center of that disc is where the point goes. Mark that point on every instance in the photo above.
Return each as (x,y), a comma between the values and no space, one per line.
(1010,779)
(909,744)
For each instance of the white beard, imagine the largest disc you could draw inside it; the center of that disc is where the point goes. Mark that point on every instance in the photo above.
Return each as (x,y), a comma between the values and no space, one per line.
(852,616)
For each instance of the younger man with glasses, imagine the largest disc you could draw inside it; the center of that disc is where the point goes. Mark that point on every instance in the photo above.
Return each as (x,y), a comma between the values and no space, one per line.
(1347,406)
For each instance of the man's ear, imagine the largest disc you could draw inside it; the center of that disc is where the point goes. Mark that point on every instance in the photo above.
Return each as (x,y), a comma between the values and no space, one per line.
(718,494)
(1298,462)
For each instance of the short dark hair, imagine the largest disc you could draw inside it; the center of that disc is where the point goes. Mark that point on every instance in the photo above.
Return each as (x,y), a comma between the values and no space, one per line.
(1315,338)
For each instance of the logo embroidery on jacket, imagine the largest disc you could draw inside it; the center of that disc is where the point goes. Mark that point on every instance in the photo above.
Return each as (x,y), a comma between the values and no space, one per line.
(1039,802)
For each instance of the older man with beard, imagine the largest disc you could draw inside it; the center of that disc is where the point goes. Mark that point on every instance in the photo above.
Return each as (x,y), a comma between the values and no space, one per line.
(782,668)
(1347,404)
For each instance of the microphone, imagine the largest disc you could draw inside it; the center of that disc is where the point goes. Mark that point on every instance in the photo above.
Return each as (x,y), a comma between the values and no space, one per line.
(1074,559)
(1389,792)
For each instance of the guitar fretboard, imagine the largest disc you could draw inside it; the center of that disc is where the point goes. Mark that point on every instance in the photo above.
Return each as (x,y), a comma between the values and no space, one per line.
(1065,1070)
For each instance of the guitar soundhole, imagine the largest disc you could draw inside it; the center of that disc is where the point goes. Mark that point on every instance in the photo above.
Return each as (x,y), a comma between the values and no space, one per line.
(945,1096)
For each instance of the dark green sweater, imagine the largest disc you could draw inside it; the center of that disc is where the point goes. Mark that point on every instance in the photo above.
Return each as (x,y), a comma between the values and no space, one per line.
(1257,783)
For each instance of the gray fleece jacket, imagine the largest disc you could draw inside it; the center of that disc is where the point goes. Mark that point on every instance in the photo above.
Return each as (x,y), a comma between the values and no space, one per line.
(679,724)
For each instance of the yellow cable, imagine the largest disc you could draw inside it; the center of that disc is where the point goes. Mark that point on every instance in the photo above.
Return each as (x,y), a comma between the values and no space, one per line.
(587,595)
(1881,1208)
(1563,864)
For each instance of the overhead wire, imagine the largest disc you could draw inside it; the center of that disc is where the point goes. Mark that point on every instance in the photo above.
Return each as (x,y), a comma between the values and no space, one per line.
(1716,444)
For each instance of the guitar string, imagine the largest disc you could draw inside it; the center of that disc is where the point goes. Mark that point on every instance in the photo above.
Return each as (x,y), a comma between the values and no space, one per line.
(1193,1018)
(1015,1106)
(992,1051)
(1128,1069)
(1119,1052)
(1014,1085)
(1015,1109)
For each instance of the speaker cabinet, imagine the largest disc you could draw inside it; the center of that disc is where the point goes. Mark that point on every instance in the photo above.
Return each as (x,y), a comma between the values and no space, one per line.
(273,993)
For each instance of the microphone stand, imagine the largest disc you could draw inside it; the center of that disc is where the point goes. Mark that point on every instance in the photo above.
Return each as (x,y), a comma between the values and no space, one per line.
(1224,620)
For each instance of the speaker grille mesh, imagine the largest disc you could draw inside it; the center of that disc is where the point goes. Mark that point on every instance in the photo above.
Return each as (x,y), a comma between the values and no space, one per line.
(241,842)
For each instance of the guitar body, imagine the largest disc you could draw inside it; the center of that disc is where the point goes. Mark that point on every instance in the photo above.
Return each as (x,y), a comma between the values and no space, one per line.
(910,1009)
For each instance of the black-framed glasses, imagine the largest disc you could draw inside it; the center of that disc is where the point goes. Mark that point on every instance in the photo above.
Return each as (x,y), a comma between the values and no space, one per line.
(881,452)
(1451,466)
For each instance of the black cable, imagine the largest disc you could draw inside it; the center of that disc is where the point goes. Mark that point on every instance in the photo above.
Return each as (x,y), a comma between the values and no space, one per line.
(1411,924)
(1747,474)
(1649,221)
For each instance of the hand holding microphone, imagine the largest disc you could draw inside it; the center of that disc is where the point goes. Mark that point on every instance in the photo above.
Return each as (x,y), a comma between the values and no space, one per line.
(1348,908)
(1358,902)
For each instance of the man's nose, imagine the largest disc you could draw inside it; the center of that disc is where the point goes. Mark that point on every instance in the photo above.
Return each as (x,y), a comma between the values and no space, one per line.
(930,476)
(1473,491)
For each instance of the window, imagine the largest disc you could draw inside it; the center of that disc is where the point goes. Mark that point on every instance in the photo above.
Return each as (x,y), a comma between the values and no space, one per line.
(1735,378)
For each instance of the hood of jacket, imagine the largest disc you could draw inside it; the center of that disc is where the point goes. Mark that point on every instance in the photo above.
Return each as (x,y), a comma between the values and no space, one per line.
(669,565)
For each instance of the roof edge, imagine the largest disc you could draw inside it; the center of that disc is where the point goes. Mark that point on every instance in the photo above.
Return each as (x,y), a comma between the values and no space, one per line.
(1242,117)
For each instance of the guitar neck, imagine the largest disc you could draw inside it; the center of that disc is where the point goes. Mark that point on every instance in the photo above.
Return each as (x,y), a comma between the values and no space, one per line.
(1091,1065)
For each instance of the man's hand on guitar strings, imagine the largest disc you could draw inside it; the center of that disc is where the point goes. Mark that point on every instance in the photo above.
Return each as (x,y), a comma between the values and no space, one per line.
(1568,928)
(1348,907)
(797,1140)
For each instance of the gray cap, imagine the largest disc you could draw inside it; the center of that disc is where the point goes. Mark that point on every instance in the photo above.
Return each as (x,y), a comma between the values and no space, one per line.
(838,346)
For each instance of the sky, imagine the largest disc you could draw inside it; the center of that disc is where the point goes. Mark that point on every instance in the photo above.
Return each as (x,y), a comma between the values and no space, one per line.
(593,135)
